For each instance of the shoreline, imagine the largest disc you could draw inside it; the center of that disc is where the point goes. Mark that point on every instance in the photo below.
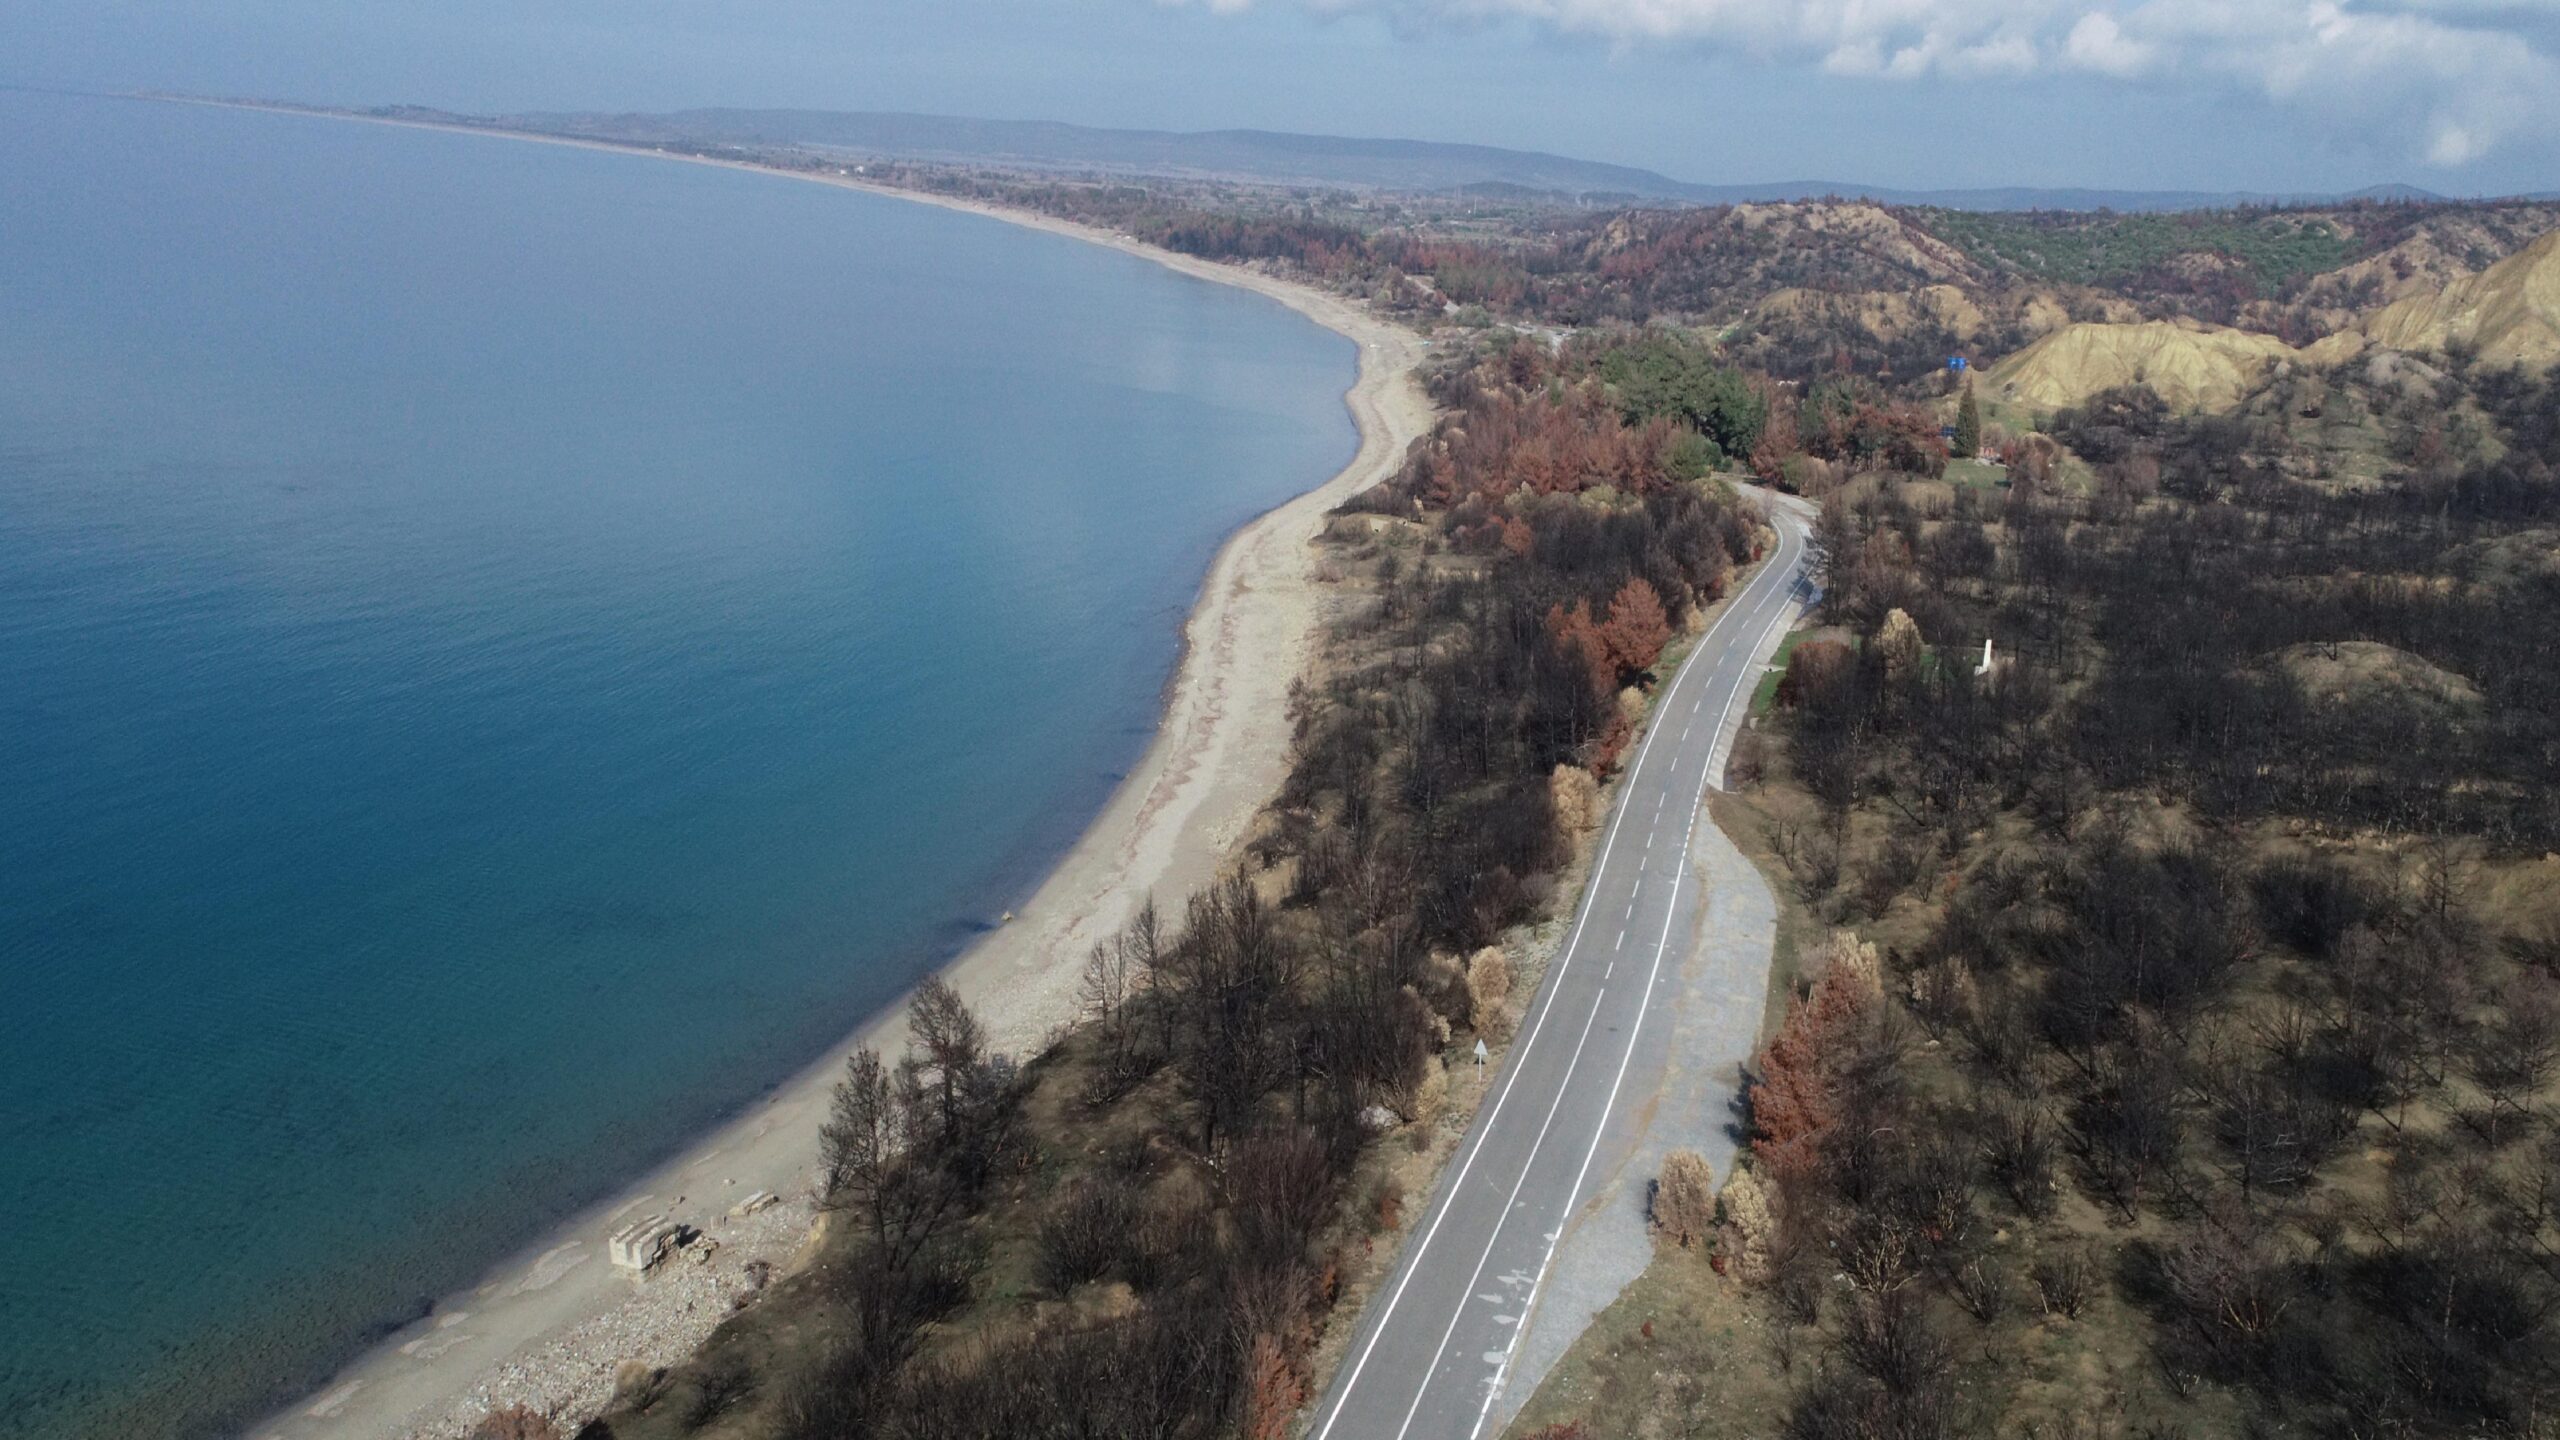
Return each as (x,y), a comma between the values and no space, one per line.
(549,1325)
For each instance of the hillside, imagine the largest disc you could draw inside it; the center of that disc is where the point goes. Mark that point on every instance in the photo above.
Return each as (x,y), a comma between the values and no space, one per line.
(1716,264)
(2192,366)
(2509,313)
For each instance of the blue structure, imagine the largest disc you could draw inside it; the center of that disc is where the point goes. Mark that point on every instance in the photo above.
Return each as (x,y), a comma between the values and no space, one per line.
(1956,363)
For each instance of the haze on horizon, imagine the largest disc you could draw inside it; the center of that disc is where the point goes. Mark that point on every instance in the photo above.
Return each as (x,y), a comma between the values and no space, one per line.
(2458,96)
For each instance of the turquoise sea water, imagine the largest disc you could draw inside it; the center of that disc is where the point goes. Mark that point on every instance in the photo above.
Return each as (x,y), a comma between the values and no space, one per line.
(506,652)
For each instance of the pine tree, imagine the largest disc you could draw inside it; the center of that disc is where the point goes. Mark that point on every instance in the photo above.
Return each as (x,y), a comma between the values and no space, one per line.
(1968,440)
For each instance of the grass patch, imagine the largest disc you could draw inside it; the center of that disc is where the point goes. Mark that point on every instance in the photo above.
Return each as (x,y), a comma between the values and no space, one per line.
(1977,474)
(1680,1353)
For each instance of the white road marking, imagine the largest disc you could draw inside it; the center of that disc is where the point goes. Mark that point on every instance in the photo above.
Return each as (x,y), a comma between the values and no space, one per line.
(1508,1205)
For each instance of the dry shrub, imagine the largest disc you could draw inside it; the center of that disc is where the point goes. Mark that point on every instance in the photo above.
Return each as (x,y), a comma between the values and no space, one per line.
(1898,643)
(1087,1232)
(1431,1097)
(638,1384)
(2063,1279)
(720,1386)
(1488,990)
(1684,1198)
(1983,1287)
(1279,1190)
(1386,1203)
(1576,794)
(516,1422)
(1749,1237)
(1854,960)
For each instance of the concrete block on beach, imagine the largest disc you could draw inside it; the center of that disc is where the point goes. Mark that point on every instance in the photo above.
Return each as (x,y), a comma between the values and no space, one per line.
(760,1200)
(643,1243)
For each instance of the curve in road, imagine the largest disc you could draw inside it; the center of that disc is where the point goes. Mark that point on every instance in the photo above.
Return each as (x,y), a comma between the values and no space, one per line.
(1436,1345)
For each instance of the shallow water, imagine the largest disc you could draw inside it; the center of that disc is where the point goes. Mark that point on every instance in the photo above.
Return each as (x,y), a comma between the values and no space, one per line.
(505,653)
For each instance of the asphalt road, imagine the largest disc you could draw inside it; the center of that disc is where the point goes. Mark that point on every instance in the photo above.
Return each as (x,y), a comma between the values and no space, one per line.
(1439,1338)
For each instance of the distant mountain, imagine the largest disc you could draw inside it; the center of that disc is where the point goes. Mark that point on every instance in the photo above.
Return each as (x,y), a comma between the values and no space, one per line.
(1277,157)
(2403,194)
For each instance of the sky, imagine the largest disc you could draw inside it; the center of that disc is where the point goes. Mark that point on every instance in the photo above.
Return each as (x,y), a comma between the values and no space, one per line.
(2459,96)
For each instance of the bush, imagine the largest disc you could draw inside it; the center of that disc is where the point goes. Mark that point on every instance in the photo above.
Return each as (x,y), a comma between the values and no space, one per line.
(1684,1204)
(2062,1279)
(516,1422)
(1088,1232)
(1488,990)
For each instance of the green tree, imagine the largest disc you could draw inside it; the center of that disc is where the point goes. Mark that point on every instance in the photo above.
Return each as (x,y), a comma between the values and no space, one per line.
(1662,373)
(1968,425)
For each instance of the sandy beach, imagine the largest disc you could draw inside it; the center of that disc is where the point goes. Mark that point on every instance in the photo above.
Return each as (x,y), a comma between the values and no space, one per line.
(550,1326)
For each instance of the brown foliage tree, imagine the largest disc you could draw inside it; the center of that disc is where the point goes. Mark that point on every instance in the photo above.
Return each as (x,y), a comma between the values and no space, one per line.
(1637,628)
(1813,667)
(1273,1391)
(1795,1100)
(1582,641)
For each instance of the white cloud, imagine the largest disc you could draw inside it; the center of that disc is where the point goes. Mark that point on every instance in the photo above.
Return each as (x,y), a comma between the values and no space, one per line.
(2446,81)
(2098,43)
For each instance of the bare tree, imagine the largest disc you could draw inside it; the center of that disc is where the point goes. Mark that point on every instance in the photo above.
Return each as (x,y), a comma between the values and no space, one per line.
(860,1140)
(952,1042)
(2512,1058)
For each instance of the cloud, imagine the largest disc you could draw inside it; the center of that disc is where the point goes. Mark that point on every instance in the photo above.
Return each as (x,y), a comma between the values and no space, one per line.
(2098,43)
(2446,81)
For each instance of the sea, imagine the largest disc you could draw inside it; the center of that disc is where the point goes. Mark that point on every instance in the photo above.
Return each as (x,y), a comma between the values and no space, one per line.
(508,652)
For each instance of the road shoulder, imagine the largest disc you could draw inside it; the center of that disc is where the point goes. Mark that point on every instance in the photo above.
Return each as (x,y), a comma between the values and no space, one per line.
(1684,1090)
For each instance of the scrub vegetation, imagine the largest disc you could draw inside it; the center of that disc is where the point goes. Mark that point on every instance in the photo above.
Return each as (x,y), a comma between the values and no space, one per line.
(2183,1060)
(2274,248)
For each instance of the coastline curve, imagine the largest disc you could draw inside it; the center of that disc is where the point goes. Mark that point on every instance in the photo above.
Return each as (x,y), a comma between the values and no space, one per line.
(549,1325)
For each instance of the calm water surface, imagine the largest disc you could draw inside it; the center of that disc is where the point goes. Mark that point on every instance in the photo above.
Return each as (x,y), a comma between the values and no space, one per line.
(505,653)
